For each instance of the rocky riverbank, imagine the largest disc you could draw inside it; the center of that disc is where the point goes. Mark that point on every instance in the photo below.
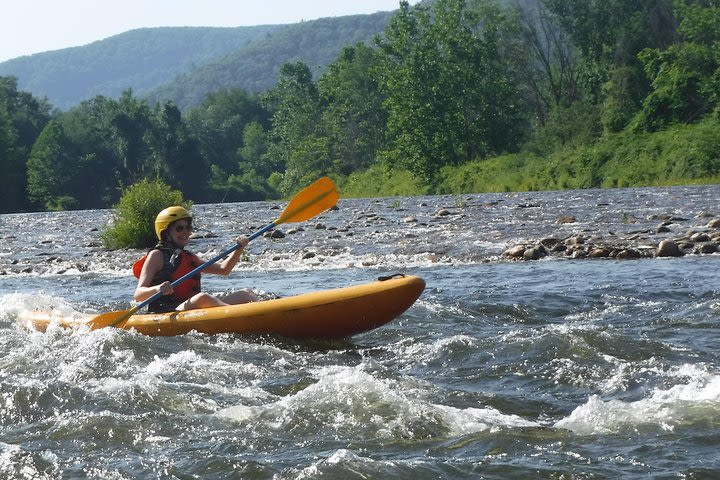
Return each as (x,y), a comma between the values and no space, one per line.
(665,241)
(398,234)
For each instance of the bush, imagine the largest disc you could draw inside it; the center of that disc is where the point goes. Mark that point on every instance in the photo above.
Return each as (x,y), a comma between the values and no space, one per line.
(381,181)
(678,155)
(506,173)
(134,223)
(61,203)
(245,187)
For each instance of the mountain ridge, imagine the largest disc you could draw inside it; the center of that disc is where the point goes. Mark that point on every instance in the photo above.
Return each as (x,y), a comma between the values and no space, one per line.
(316,43)
(183,64)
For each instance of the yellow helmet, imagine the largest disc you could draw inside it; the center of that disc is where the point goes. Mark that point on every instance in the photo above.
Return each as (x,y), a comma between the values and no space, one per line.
(167,216)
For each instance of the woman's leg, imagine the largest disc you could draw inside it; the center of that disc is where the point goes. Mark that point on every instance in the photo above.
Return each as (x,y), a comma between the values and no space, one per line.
(205,300)
(241,296)
(200,300)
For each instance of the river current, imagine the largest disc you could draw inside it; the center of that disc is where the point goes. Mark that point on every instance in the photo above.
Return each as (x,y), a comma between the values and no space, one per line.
(555,368)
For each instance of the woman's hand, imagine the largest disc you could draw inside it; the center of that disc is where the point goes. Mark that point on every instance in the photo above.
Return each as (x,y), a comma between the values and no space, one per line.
(242,241)
(165,288)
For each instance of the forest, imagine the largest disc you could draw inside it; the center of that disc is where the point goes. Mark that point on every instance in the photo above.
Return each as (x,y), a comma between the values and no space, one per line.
(454,96)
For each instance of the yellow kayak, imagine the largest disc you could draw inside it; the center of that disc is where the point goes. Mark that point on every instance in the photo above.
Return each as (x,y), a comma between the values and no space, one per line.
(336,313)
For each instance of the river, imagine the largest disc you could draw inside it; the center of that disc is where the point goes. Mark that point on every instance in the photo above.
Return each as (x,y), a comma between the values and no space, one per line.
(556,368)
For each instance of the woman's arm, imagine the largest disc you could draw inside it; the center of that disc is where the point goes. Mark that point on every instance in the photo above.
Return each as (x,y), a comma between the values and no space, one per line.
(228,263)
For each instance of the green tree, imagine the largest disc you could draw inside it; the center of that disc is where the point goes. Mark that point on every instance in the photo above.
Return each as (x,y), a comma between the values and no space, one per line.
(297,137)
(354,116)
(685,76)
(608,35)
(91,140)
(51,169)
(253,153)
(107,143)
(255,168)
(132,122)
(451,93)
(175,155)
(219,125)
(545,61)
(12,195)
(77,149)
(22,118)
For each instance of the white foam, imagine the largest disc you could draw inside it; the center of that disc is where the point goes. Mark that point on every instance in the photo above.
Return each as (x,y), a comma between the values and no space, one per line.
(15,462)
(339,457)
(423,352)
(291,262)
(12,304)
(349,400)
(688,403)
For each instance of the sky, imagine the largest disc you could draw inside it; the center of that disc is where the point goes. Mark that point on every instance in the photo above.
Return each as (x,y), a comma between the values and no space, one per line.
(33,26)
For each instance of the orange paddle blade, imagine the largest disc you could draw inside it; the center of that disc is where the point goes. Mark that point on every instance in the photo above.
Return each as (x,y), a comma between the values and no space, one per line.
(111,319)
(314,199)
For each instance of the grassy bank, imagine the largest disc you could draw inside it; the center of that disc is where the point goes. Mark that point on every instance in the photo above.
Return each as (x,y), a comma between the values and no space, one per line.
(680,155)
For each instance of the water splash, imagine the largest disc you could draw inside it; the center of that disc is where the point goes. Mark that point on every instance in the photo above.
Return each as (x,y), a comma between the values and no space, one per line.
(354,404)
(678,407)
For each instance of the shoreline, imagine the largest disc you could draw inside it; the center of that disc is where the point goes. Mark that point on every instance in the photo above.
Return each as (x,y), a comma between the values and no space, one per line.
(662,242)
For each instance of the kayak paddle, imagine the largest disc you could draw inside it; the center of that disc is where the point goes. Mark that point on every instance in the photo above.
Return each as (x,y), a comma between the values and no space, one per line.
(314,199)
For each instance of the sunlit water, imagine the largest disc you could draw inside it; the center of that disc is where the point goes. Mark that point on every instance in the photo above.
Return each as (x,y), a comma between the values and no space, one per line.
(551,369)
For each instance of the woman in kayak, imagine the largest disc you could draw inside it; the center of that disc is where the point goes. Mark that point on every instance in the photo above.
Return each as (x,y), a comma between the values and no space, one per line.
(169,261)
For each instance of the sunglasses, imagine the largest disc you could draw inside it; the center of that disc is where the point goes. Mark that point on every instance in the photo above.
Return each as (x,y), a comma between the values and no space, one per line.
(182,228)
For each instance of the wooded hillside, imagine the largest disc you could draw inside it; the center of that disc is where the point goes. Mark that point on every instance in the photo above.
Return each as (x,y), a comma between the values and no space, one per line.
(183,64)
(256,66)
(139,59)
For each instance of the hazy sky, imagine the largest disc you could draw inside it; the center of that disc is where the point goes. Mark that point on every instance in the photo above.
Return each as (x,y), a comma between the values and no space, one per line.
(32,26)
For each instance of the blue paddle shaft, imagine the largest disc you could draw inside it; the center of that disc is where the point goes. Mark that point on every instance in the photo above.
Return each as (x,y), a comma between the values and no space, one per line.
(205,265)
